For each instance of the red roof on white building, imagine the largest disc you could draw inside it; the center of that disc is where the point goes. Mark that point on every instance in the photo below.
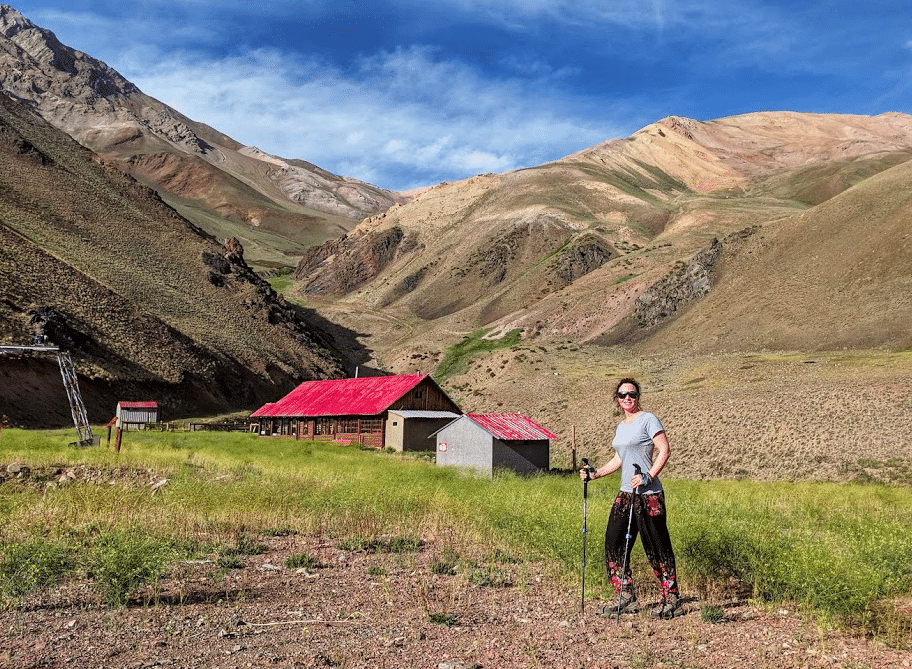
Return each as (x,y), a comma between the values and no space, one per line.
(365,396)
(510,426)
(138,405)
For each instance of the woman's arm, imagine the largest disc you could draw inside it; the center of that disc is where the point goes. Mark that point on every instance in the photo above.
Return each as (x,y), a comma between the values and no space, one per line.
(605,470)
(662,451)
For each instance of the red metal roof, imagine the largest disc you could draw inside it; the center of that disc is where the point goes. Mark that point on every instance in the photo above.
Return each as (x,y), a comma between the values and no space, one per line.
(364,396)
(138,405)
(510,426)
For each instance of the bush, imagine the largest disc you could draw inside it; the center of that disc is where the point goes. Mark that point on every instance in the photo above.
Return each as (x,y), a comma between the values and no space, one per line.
(712,613)
(302,561)
(122,561)
(32,566)
(230,561)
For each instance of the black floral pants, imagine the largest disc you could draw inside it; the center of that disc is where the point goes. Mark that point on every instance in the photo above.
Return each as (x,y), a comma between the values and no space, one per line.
(649,523)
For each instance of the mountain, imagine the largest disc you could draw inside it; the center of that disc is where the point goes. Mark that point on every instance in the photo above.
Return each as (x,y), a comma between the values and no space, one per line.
(149,306)
(605,244)
(752,270)
(276,207)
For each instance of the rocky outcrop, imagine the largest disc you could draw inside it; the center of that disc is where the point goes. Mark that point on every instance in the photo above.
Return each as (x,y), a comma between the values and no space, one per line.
(356,260)
(329,193)
(585,255)
(686,283)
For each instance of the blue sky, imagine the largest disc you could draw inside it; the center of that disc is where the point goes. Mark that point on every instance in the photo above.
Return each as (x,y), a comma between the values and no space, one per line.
(402,93)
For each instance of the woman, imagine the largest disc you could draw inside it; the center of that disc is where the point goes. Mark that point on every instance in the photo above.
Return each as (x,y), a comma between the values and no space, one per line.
(640,439)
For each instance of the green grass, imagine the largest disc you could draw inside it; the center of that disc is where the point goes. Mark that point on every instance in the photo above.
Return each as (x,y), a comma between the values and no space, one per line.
(457,357)
(282,282)
(302,561)
(839,550)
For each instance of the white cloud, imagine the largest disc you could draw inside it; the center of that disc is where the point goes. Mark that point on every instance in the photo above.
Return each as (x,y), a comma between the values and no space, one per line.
(406,112)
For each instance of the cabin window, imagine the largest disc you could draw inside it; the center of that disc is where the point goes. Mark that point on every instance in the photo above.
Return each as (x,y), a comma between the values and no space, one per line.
(348,425)
(418,394)
(323,426)
(371,425)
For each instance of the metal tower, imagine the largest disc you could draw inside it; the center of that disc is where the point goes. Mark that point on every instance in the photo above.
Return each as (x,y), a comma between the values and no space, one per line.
(70,383)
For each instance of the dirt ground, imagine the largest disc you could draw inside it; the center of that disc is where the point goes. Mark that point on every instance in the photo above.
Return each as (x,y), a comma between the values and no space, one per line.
(370,610)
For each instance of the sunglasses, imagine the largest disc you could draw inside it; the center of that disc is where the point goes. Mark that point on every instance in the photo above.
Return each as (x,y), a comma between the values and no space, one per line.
(633,394)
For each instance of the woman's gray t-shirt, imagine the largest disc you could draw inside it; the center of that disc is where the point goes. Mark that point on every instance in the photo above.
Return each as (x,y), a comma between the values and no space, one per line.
(633,443)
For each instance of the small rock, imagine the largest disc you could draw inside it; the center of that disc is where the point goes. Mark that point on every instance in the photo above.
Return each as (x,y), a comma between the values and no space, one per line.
(269,567)
(17,469)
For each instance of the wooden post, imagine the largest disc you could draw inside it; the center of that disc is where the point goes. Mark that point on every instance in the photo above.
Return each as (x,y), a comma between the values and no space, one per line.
(117,438)
(573,446)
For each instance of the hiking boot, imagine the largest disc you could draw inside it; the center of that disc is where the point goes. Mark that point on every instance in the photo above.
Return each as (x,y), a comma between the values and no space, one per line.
(624,602)
(668,607)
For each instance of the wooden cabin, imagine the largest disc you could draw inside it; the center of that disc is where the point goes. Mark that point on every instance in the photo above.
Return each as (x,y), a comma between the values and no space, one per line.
(352,410)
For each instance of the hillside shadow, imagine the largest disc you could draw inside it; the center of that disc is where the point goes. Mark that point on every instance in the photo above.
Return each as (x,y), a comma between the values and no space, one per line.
(345,342)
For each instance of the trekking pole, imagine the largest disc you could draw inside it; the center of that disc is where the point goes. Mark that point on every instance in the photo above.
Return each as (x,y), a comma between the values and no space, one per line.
(589,469)
(627,541)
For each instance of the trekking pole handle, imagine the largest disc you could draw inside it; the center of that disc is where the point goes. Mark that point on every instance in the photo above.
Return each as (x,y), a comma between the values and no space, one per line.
(589,468)
(639,472)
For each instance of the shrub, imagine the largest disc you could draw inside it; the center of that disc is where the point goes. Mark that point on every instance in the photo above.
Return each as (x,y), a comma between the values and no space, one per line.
(447,619)
(230,561)
(445,564)
(489,576)
(712,613)
(302,561)
(122,561)
(31,566)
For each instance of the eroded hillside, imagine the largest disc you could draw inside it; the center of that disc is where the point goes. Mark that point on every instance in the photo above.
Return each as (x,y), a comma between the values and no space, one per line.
(149,306)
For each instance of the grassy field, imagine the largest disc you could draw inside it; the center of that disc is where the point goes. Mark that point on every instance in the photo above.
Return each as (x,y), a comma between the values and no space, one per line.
(840,551)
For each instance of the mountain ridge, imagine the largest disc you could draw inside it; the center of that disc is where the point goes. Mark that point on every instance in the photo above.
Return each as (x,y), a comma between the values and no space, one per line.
(601,221)
(297,202)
